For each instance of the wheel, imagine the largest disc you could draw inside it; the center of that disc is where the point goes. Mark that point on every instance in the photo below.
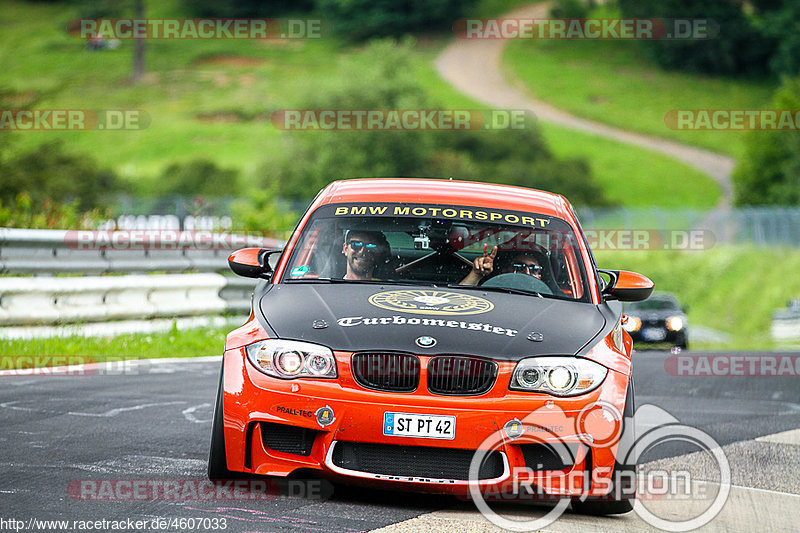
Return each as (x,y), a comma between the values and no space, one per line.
(624,469)
(217,464)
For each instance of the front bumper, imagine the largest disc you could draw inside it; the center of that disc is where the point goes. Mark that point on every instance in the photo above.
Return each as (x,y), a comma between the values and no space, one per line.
(340,413)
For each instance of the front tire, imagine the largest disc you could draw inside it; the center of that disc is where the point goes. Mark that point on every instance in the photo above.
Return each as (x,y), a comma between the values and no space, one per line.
(625,470)
(217,463)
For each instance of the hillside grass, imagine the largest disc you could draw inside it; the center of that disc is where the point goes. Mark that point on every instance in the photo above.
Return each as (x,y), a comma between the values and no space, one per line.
(630,176)
(614,82)
(212,99)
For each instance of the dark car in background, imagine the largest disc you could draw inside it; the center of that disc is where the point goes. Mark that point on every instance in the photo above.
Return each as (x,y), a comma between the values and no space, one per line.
(659,320)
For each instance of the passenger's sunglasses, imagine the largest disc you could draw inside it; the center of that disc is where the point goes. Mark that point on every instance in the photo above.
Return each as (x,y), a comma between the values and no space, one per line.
(357,246)
(535,270)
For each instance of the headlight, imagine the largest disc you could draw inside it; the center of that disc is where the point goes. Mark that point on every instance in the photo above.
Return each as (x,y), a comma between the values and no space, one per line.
(560,376)
(634,323)
(674,323)
(292,359)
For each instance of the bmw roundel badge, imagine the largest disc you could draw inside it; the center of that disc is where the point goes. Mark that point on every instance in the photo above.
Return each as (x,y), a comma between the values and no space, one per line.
(425,341)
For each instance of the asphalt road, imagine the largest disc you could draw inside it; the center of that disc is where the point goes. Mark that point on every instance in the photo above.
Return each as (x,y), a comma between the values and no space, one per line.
(151,423)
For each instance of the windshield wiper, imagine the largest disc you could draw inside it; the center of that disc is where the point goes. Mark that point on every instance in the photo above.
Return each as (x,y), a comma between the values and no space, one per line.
(507,290)
(333,280)
(367,281)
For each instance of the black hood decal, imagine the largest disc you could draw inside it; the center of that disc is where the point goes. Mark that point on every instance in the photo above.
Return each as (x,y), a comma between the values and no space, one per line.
(372,317)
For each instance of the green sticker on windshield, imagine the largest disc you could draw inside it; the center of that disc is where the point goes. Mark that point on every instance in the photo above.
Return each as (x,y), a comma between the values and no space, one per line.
(299,271)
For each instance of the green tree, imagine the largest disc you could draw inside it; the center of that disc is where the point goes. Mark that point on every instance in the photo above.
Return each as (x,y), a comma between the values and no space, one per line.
(740,48)
(360,19)
(783,25)
(769,173)
(245,8)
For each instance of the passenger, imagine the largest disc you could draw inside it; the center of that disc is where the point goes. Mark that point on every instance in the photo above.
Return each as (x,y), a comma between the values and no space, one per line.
(522,263)
(481,267)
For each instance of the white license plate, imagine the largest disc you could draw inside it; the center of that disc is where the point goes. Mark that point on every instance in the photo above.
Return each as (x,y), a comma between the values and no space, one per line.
(412,425)
(654,334)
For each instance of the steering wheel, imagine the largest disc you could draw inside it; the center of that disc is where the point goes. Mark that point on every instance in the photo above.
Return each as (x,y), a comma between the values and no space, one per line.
(517,280)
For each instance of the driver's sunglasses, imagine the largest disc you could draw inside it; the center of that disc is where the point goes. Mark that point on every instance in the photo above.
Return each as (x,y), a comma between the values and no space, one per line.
(535,270)
(357,246)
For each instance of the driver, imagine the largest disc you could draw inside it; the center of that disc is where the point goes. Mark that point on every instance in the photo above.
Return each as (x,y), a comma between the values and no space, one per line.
(363,251)
(521,263)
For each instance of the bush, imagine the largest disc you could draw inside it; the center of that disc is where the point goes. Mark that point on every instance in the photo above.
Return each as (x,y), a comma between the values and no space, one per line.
(95,9)
(382,78)
(200,177)
(360,19)
(49,172)
(570,9)
(769,173)
(21,213)
(519,157)
(261,210)
(245,8)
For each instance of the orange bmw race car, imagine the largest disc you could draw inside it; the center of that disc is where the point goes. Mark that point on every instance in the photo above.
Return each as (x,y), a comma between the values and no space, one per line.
(434,335)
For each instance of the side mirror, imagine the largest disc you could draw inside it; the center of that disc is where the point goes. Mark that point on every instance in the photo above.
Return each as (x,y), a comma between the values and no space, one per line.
(627,286)
(252,262)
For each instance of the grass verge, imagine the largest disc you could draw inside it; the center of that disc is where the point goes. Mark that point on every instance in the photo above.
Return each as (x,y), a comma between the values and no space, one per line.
(730,289)
(46,352)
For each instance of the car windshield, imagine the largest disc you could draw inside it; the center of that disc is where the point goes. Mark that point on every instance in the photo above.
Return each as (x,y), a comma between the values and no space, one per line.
(437,245)
(654,304)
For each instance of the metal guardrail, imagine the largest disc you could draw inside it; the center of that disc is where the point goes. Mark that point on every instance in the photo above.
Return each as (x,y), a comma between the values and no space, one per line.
(44,298)
(36,300)
(27,251)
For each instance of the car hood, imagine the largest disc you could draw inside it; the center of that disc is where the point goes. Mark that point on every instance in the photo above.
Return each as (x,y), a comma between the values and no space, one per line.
(367,317)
